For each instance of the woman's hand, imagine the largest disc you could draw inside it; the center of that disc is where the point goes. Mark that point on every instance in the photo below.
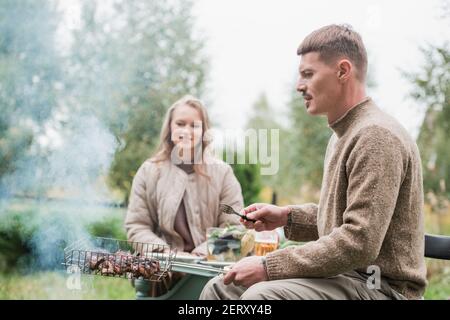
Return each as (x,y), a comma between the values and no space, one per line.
(268,216)
(198,254)
(201,250)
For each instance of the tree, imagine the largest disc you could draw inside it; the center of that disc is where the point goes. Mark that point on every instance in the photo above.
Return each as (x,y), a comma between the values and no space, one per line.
(308,142)
(29,76)
(431,86)
(130,66)
(301,147)
(249,178)
(264,117)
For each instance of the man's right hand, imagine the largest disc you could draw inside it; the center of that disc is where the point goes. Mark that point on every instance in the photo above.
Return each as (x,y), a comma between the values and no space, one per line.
(268,216)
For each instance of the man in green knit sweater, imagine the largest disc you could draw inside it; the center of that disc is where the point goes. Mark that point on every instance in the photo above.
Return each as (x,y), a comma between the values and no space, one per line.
(365,238)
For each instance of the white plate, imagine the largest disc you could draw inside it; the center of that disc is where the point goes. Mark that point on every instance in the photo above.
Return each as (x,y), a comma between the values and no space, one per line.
(182,257)
(217,263)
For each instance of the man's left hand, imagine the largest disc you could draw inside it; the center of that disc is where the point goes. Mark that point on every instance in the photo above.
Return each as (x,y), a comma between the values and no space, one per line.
(247,272)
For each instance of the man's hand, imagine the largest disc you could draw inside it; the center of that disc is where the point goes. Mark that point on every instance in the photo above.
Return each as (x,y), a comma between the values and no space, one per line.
(247,272)
(268,216)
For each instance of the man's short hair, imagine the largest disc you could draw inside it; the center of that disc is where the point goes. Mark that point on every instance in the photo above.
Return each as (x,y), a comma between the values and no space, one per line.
(337,41)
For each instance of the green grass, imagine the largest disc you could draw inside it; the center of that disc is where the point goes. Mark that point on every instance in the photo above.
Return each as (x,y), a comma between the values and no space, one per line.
(438,288)
(438,280)
(54,285)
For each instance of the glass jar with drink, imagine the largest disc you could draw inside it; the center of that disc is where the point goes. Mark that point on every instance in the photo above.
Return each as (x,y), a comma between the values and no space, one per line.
(265,242)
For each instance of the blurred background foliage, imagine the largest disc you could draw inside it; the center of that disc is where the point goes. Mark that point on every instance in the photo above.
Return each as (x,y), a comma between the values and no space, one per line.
(30,77)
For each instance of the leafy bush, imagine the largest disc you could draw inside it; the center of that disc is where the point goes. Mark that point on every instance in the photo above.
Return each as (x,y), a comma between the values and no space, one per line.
(109,227)
(15,241)
(33,236)
(248,176)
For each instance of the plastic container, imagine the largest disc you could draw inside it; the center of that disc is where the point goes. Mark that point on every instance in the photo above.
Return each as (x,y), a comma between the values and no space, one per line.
(224,244)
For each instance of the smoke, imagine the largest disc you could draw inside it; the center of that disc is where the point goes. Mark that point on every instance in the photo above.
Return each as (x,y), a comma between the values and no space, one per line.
(76,170)
(56,185)
(85,157)
(68,185)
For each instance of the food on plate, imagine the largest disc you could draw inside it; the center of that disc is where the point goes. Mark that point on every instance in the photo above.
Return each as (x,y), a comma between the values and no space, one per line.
(226,244)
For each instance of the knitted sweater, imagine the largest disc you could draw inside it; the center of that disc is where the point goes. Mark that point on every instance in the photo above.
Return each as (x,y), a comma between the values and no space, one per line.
(370,210)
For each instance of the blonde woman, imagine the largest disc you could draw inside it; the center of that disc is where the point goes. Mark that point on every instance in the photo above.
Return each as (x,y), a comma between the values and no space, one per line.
(175,194)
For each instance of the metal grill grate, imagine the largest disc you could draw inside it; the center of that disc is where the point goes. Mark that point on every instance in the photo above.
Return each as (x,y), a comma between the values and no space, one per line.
(119,258)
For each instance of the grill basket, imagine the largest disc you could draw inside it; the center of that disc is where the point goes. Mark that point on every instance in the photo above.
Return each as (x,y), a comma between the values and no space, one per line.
(119,258)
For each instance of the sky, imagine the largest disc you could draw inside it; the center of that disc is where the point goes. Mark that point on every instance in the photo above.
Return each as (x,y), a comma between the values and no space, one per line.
(251,45)
(252,48)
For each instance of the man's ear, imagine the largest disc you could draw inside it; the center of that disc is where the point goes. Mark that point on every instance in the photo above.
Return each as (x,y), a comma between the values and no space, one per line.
(344,69)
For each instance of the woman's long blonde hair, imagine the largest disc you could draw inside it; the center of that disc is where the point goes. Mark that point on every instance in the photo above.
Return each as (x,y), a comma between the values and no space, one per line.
(165,139)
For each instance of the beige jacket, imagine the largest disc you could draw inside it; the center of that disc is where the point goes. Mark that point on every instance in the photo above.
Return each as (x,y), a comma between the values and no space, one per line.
(157,192)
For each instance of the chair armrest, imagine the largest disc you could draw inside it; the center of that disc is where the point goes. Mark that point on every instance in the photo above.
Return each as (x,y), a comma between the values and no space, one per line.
(437,247)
